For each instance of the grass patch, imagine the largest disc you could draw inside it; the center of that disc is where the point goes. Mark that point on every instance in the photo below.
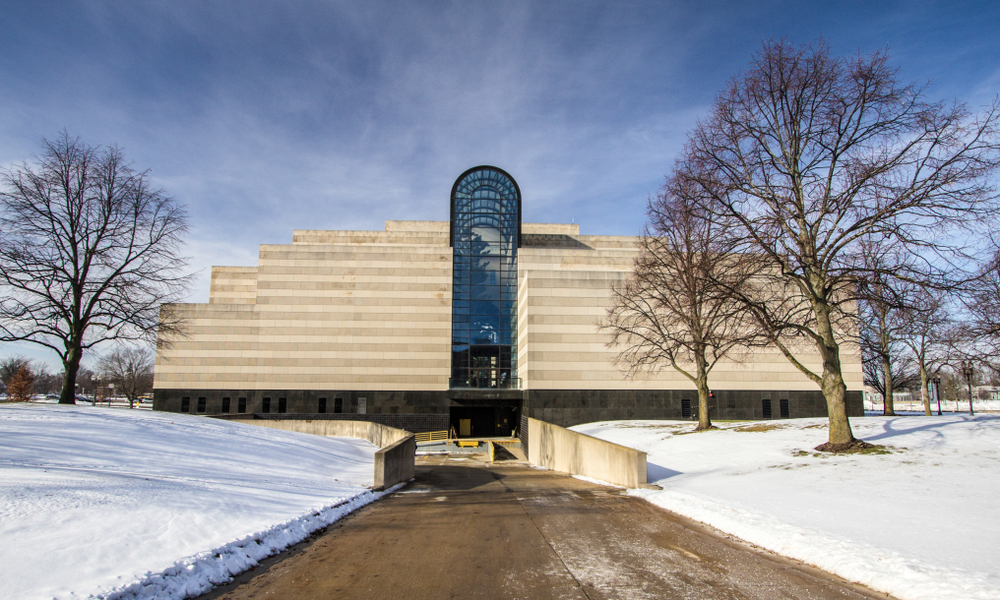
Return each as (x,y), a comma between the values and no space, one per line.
(760,427)
(696,430)
(859,447)
(855,447)
(808,454)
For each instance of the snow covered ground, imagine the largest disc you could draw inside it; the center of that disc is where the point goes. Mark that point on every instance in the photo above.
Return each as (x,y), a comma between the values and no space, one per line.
(121,504)
(947,406)
(132,504)
(920,523)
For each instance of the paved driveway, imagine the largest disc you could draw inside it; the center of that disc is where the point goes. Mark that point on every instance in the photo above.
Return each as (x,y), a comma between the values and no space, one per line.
(467,529)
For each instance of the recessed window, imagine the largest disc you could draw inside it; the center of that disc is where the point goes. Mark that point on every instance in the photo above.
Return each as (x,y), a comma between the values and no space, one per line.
(266,406)
(185,404)
(321,407)
(685,408)
(338,405)
(241,405)
(765,408)
(225,405)
(202,404)
(783,407)
(362,405)
(282,405)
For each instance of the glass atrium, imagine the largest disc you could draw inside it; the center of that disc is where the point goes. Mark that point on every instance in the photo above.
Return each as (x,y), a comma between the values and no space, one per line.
(485,235)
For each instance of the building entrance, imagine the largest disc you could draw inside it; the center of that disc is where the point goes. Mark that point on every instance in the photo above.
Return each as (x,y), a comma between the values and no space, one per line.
(483,421)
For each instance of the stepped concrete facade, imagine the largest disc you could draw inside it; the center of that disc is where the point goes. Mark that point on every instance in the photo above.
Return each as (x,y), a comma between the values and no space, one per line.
(376,326)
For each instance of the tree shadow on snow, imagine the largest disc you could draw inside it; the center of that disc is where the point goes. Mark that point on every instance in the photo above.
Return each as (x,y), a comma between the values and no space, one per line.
(889,428)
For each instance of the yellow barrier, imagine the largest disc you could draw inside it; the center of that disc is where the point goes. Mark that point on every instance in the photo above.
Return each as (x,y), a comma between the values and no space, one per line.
(492,455)
(431,436)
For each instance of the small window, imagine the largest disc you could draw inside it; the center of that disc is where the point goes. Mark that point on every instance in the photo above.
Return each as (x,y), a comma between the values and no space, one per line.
(266,407)
(765,408)
(362,405)
(783,407)
(282,405)
(185,404)
(241,405)
(201,404)
(321,408)
(685,408)
(338,405)
(225,405)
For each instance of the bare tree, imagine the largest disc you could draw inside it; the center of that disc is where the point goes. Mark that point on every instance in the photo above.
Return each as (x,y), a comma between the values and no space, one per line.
(47,382)
(805,155)
(880,303)
(676,309)
(902,374)
(88,253)
(983,301)
(130,369)
(927,330)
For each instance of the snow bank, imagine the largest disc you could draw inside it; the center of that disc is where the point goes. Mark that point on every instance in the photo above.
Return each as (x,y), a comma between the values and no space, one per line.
(198,574)
(126,504)
(919,523)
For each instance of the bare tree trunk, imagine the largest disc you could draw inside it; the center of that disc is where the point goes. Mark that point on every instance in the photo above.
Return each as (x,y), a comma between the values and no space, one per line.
(888,402)
(70,366)
(834,388)
(888,399)
(704,419)
(925,393)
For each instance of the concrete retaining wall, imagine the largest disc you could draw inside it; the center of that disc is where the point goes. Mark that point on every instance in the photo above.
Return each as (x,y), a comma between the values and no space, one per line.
(393,462)
(563,450)
(380,435)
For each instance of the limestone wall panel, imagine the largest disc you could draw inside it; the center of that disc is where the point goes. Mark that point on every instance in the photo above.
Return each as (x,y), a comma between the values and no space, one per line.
(355,310)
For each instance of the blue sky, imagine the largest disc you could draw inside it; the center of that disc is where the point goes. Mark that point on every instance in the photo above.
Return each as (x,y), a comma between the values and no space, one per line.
(264,117)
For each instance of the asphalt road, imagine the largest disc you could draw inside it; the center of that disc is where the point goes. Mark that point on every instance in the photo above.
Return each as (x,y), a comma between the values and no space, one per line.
(466,529)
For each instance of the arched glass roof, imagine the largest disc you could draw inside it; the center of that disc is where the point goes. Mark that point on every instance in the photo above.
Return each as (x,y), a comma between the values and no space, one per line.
(485,196)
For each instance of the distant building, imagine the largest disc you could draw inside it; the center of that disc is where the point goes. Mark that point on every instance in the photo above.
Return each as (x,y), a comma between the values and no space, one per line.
(474,323)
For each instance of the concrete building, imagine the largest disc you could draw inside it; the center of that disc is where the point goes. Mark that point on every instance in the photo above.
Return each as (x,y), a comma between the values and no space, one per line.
(474,324)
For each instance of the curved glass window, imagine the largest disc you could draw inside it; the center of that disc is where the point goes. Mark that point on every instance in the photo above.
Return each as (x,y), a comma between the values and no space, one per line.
(485,235)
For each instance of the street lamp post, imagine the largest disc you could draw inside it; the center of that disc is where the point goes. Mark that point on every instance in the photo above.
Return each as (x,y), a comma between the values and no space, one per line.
(937,392)
(967,371)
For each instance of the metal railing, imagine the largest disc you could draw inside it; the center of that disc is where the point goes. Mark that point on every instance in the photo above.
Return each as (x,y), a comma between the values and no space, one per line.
(511,383)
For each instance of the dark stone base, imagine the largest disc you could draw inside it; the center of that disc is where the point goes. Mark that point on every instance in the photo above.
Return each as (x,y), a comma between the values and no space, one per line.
(573,407)
(306,402)
(430,411)
(414,423)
